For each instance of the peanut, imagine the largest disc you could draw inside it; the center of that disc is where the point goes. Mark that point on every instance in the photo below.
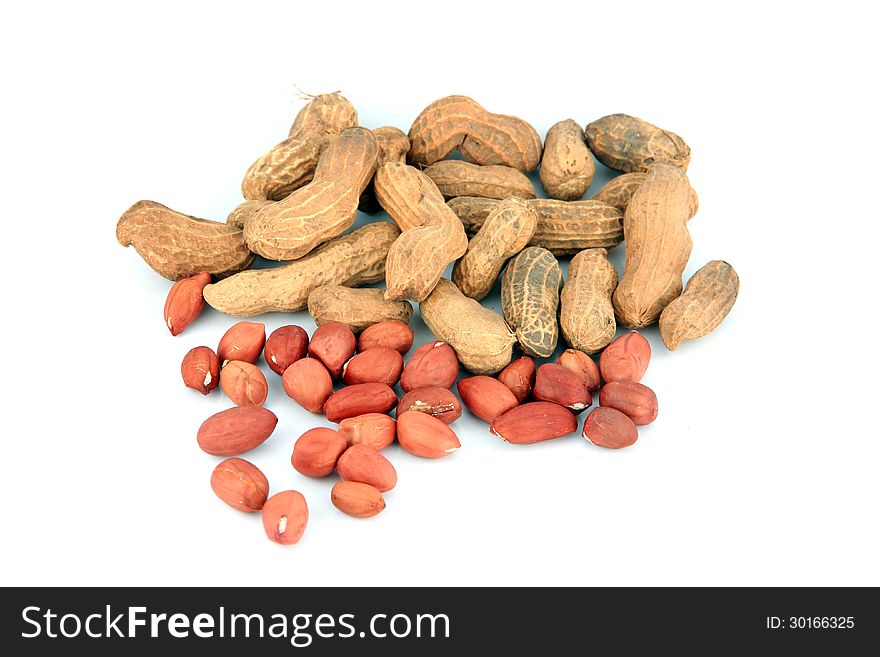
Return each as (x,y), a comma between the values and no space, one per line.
(431,365)
(423,435)
(619,190)
(243,212)
(485,397)
(200,369)
(359,399)
(308,383)
(534,422)
(567,166)
(364,464)
(291,164)
(481,339)
(436,401)
(236,430)
(608,427)
(356,308)
(185,302)
(240,484)
(658,246)
(285,516)
(357,258)
(393,147)
(519,377)
(707,299)
(376,430)
(458,122)
(378,365)
(242,341)
(564,227)
(178,246)
(244,383)
(457,178)
(432,235)
(558,384)
(356,499)
(324,208)
(316,452)
(284,346)
(626,143)
(530,297)
(583,366)
(506,231)
(626,359)
(392,334)
(634,399)
(587,316)
(332,344)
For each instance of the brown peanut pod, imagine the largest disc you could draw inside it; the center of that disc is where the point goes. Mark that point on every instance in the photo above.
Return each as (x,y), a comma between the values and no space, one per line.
(393,147)
(357,258)
(529,299)
(707,299)
(564,227)
(506,231)
(587,316)
(291,228)
(619,190)
(291,164)
(356,308)
(459,122)
(658,246)
(432,235)
(626,143)
(178,246)
(481,339)
(457,178)
(243,212)
(567,166)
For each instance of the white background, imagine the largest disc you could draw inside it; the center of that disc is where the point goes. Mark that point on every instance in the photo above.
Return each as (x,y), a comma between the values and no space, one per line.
(762,467)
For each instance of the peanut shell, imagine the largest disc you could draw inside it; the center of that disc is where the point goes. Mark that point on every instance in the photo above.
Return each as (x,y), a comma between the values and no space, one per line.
(529,299)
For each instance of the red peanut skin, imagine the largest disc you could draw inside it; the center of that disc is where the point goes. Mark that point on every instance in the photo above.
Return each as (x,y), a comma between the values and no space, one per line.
(284,346)
(359,399)
(432,364)
(357,499)
(377,365)
(185,302)
(626,358)
(534,422)
(195,367)
(425,436)
(285,516)
(243,341)
(333,344)
(244,383)
(308,383)
(375,430)
(316,452)
(236,430)
(391,333)
(582,365)
(435,401)
(240,484)
(365,465)
(557,384)
(485,397)
(519,376)
(608,427)
(634,399)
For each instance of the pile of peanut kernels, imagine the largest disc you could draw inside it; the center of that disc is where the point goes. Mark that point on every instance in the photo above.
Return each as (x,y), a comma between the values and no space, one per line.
(480,214)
